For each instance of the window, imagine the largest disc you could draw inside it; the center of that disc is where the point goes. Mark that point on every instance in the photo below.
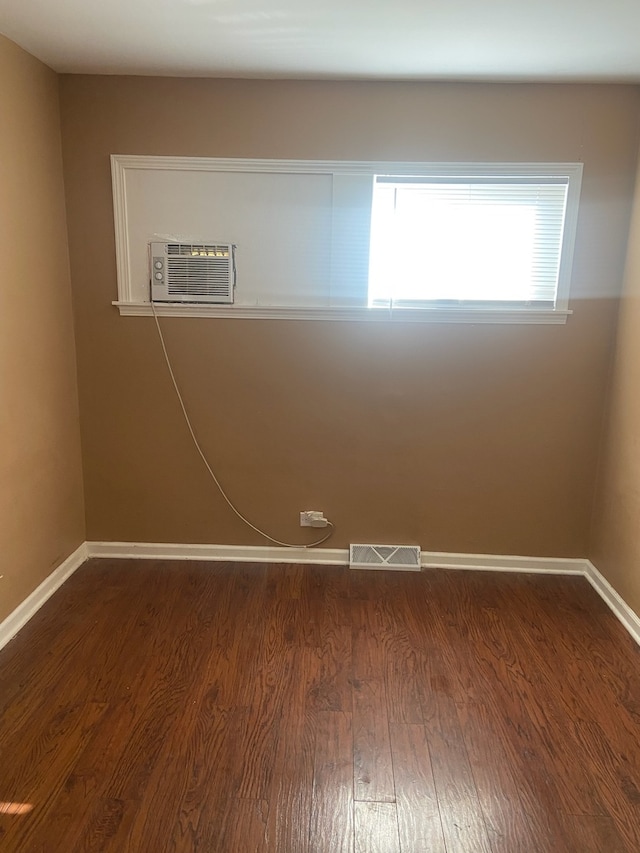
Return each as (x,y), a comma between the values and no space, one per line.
(344,240)
(468,241)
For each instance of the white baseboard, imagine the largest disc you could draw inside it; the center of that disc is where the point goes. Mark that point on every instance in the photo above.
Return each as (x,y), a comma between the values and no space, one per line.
(23,612)
(235,553)
(328,556)
(503,563)
(319,556)
(614,600)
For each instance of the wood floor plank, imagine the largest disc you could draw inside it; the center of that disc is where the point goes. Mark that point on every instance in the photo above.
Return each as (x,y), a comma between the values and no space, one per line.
(509,827)
(536,786)
(372,634)
(291,793)
(167,785)
(74,808)
(417,810)
(372,767)
(265,690)
(108,827)
(460,809)
(38,775)
(405,675)
(245,827)
(575,792)
(376,828)
(617,781)
(331,672)
(210,753)
(593,834)
(331,826)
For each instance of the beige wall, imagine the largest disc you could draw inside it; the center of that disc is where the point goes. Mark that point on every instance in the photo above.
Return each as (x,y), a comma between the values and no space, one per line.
(615,546)
(458,437)
(41,502)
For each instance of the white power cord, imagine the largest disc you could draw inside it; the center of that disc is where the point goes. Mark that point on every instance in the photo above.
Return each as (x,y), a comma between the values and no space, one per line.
(206,463)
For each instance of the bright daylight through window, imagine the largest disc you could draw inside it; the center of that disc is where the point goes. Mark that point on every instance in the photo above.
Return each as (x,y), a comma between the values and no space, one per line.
(470,241)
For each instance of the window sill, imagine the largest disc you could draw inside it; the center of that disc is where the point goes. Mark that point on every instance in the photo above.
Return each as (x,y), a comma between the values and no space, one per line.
(398,315)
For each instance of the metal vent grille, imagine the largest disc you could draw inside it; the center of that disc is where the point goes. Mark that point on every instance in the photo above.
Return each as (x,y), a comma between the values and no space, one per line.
(198,276)
(404,558)
(193,250)
(192,272)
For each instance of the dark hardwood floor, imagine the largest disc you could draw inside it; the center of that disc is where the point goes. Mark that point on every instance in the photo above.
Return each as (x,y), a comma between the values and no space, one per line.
(232,708)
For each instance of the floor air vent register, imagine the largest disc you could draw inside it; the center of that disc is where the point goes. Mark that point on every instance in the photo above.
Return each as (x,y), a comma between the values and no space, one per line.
(403,558)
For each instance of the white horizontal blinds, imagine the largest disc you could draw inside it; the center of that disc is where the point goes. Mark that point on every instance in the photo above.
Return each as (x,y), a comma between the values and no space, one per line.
(350,239)
(464,240)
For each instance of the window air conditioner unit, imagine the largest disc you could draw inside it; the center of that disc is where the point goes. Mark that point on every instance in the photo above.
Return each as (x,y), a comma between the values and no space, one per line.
(192,272)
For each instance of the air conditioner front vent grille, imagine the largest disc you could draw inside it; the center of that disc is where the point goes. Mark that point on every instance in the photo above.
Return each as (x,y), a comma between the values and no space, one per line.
(395,557)
(192,250)
(206,276)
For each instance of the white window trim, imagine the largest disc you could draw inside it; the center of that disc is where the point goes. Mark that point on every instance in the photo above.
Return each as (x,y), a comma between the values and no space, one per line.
(398,315)
(129,306)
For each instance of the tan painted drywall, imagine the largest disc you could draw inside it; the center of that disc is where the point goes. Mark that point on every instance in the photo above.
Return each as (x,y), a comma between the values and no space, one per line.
(458,437)
(615,545)
(41,500)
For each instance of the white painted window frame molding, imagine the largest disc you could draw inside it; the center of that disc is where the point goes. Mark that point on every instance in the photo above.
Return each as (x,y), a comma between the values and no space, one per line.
(129,305)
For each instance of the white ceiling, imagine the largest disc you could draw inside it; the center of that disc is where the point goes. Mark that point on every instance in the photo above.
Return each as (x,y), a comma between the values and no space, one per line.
(408,39)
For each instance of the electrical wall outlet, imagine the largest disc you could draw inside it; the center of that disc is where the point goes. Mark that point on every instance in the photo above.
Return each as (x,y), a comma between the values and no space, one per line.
(312,518)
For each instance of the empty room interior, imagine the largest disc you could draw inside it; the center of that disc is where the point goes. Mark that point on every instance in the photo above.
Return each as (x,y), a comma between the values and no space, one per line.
(320,428)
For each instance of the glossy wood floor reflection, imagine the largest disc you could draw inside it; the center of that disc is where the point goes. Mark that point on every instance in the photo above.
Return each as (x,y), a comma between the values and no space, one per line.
(153,707)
